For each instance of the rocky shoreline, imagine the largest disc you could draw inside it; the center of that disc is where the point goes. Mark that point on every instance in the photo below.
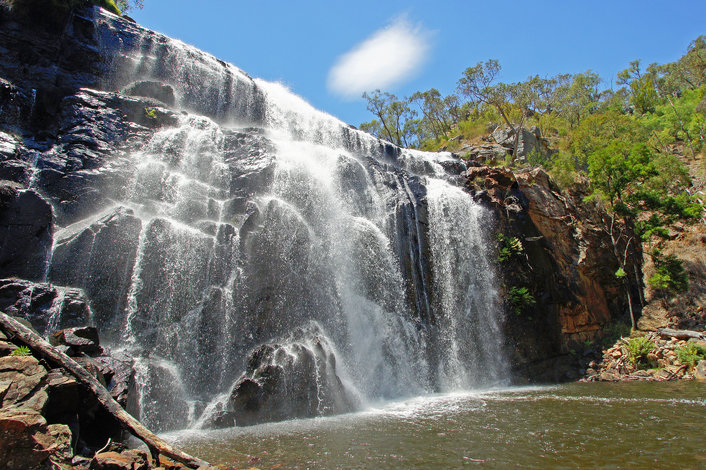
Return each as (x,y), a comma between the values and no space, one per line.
(656,356)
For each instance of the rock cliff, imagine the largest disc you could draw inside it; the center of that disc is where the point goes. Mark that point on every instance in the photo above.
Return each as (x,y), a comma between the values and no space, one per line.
(566,261)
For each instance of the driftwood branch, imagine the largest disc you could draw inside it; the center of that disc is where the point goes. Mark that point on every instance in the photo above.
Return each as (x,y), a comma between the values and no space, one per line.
(38,345)
(681,334)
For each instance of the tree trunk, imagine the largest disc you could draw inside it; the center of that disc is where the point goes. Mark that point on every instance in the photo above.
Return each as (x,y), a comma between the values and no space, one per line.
(622,261)
(681,334)
(517,137)
(502,113)
(39,346)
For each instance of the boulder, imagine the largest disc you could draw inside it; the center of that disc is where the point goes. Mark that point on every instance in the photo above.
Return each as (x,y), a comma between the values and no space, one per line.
(24,374)
(295,378)
(485,153)
(126,460)
(530,141)
(700,371)
(27,442)
(80,340)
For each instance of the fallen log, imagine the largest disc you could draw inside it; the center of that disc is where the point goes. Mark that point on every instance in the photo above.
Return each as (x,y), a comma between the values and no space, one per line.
(681,334)
(39,346)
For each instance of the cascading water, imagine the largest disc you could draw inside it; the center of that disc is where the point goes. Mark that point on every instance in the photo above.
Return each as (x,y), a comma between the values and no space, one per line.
(257,241)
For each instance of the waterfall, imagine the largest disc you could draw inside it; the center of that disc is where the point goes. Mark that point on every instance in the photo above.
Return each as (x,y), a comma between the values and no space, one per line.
(257,242)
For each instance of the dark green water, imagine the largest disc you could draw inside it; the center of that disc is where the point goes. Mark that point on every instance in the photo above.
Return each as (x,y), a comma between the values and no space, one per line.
(593,425)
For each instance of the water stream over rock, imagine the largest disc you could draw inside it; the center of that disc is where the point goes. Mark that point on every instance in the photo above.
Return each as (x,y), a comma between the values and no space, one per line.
(261,259)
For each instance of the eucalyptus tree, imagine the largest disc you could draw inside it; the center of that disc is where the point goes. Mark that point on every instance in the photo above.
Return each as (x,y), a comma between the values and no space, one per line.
(395,119)
(478,84)
(439,113)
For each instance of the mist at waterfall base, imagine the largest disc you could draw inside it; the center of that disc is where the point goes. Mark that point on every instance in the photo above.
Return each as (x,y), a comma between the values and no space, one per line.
(255,246)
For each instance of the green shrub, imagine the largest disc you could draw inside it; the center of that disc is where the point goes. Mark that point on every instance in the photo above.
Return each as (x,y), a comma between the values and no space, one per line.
(671,277)
(508,247)
(536,158)
(21,351)
(521,299)
(638,349)
(150,113)
(691,354)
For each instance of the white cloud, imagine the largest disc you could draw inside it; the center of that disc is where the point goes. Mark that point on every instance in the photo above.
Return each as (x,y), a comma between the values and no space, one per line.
(388,57)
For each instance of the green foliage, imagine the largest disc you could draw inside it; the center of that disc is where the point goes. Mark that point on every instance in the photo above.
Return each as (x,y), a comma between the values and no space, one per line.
(687,73)
(439,114)
(638,349)
(109,5)
(126,5)
(536,158)
(563,169)
(508,247)
(618,168)
(678,119)
(395,122)
(654,226)
(521,299)
(600,130)
(691,354)
(620,273)
(643,94)
(671,277)
(150,113)
(21,351)
(629,142)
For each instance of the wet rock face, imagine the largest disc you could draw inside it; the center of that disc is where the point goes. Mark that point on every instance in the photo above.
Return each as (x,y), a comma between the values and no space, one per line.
(25,232)
(567,263)
(149,89)
(99,258)
(290,380)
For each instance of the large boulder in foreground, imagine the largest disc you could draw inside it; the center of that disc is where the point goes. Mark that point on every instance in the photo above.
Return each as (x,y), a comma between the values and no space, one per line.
(295,378)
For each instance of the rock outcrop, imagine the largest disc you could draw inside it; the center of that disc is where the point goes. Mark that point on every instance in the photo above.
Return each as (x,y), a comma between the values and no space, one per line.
(47,307)
(529,142)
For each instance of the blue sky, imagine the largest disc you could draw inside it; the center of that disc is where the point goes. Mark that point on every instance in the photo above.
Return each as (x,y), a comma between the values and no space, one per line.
(416,45)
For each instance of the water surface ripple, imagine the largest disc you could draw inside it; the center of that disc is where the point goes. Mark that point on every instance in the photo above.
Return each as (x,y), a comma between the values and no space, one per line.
(628,425)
